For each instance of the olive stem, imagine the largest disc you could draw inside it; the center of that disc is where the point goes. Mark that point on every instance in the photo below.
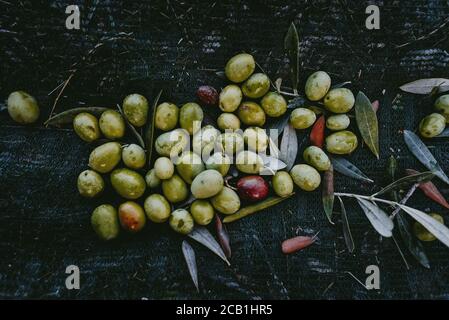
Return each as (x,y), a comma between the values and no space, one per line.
(405,199)
(370,198)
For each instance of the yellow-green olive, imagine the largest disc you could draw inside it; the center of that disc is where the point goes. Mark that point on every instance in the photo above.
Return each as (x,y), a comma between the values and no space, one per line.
(442,106)
(104,221)
(282,183)
(210,149)
(230,98)
(157,208)
(128,183)
(305,177)
(131,216)
(226,201)
(341,142)
(175,189)
(166,116)
(421,233)
(249,162)
(232,142)
(228,121)
(172,143)
(219,161)
(104,158)
(432,125)
(274,104)
(164,168)
(189,165)
(302,118)
(338,122)
(181,221)
(251,114)
(240,67)
(190,117)
(317,158)
(339,100)
(133,156)
(256,139)
(207,184)
(22,107)
(202,212)
(152,180)
(135,108)
(206,135)
(90,183)
(256,86)
(86,127)
(112,124)
(317,85)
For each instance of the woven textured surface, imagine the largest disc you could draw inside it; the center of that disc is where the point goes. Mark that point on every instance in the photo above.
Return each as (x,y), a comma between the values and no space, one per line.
(152,45)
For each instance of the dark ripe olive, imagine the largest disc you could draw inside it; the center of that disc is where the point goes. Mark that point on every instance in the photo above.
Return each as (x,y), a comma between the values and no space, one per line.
(207,95)
(252,188)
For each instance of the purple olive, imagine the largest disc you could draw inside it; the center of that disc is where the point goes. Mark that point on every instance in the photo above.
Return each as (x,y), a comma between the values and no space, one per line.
(252,188)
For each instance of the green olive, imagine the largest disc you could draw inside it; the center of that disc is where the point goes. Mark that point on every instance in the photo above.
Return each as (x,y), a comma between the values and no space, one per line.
(251,114)
(157,208)
(338,122)
(104,158)
(181,221)
(172,143)
(256,139)
(341,142)
(232,142)
(442,106)
(128,183)
(90,183)
(203,137)
(190,117)
(228,121)
(317,158)
(274,104)
(226,201)
(421,233)
(112,124)
(302,118)
(166,116)
(189,165)
(256,86)
(240,67)
(432,125)
(164,168)
(86,127)
(305,177)
(219,161)
(133,156)
(249,162)
(131,216)
(339,100)
(282,184)
(317,85)
(152,180)
(104,221)
(230,98)
(207,184)
(210,149)
(175,189)
(135,108)
(22,107)
(202,212)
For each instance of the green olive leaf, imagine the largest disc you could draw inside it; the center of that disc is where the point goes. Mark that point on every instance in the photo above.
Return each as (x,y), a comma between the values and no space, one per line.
(149,133)
(422,153)
(203,236)
(426,86)
(132,128)
(289,146)
(328,193)
(189,256)
(407,181)
(291,46)
(346,229)
(348,169)
(367,122)
(66,117)
(377,217)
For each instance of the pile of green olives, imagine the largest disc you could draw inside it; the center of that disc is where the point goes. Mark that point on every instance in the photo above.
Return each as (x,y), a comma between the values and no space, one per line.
(435,123)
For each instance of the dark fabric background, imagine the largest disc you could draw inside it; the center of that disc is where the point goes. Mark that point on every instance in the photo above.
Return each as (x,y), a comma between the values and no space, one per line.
(144,46)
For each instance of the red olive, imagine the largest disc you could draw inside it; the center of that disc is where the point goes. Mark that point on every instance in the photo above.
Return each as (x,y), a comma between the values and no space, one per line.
(207,95)
(252,188)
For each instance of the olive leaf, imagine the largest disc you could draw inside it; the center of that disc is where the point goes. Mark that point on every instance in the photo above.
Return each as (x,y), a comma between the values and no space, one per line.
(291,46)
(341,85)
(426,86)
(278,125)
(272,163)
(367,122)
(407,181)
(278,84)
(348,169)
(346,229)
(223,236)
(203,236)
(132,128)
(328,193)
(377,217)
(289,146)
(443,134)
(189,256)
(149,134)
(422,153)
(273,146)
(3,107)
(296,102)
(66,117)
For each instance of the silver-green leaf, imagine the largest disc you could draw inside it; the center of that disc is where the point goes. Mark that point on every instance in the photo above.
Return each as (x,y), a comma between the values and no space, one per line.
(189,256)
(203,236)
(289,146)
(348,169)
(426,86)
(377,217)
(367,122)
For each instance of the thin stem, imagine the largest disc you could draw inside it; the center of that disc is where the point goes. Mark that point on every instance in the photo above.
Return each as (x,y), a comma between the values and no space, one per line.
(405,199)
(370,198)
(400,252)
